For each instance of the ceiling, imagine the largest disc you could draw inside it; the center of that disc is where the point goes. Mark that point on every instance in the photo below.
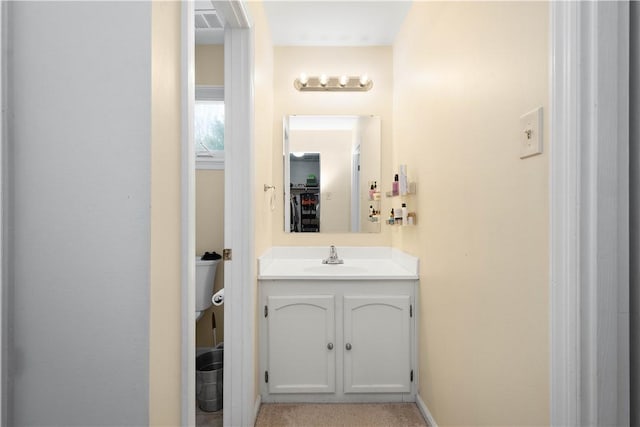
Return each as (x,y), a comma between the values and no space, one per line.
(335,23)
(208,27)
(317,23)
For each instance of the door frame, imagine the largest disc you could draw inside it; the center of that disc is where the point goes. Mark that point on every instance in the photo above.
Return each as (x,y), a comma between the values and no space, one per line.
(589,214)
(188,215)
(239,312)
(3,181)
(239,384)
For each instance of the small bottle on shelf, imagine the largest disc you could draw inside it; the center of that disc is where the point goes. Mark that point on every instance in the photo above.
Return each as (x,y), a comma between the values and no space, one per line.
(398,216)
(404,214)
(395,187)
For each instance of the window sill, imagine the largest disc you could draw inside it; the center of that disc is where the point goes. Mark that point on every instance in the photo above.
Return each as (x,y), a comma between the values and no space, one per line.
(207,163)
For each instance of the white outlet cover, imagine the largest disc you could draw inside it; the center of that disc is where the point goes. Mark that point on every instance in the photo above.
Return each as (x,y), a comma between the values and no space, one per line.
(531,133)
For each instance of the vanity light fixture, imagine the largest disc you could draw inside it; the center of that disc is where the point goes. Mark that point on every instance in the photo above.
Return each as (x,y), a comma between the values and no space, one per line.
(333,84)
(303,79)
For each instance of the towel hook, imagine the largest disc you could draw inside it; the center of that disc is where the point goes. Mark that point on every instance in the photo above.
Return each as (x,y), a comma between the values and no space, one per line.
(272,199)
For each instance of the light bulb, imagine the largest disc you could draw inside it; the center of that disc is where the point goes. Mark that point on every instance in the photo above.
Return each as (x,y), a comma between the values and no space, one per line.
(303,79)
(298,154)
(324,80)
(344,80)
(364,79)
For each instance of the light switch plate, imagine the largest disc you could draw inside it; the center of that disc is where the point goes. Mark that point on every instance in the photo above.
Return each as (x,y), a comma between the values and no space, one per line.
(531,133)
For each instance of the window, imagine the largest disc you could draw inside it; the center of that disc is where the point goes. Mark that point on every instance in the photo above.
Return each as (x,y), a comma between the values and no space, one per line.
(209,127)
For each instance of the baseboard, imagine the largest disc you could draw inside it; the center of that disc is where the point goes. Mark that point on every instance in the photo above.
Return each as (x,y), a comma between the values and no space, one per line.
(256,409)
(425,412)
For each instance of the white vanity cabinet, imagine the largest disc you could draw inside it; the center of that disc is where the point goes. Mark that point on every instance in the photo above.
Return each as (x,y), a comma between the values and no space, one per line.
(337,341)
(300,346)
(377,337)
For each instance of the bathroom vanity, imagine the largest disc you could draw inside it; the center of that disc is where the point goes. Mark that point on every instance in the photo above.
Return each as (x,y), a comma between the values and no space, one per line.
(337,333)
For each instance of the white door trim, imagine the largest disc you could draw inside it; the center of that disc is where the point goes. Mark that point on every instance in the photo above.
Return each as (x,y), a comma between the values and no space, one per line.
(239,313)
(3,312)
(239,384)
(188,213)
(589,213)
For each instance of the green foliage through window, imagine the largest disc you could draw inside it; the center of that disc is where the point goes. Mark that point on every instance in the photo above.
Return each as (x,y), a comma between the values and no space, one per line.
(209,126)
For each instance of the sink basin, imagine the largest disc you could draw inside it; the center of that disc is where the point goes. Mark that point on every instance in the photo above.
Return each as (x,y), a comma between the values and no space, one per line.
(360,263)
(335,269)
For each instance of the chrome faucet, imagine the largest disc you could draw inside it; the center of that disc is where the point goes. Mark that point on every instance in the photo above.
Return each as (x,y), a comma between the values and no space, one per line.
(333,257)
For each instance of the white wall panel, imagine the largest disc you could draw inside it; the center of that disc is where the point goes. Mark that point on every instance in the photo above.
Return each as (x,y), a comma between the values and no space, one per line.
(79,186)
(634,146)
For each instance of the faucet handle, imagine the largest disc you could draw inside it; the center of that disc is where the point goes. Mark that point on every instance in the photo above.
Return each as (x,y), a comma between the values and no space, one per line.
(333,256)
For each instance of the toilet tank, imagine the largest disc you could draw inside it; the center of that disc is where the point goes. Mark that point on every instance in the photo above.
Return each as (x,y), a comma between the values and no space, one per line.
(205,281)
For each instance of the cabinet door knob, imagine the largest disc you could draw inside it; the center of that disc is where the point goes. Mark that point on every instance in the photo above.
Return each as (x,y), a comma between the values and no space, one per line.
(348,346)
(330,346)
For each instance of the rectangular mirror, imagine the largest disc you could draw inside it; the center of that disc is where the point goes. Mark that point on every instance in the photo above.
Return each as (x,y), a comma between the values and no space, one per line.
(331,174)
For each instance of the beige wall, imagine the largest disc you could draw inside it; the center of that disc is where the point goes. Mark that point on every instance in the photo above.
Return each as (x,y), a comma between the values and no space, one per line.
(264,147)
(464,73)
(209,63)
(165,293)
(289,62)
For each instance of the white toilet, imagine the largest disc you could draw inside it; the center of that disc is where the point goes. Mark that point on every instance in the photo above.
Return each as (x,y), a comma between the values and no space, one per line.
(205,280)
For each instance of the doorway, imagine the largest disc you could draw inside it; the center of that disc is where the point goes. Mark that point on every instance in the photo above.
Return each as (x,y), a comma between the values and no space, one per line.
(238,229)
(209,119)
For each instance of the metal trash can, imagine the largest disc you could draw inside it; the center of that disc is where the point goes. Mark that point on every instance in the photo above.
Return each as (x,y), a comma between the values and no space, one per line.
(209,379)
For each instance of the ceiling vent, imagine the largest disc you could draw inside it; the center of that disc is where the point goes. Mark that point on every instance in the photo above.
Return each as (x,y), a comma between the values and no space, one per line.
(207,19)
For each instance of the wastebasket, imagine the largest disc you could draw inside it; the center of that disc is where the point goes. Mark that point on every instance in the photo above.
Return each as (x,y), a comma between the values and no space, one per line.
(209,369)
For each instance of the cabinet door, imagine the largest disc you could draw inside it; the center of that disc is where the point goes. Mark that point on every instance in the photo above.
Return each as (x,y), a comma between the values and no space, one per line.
(301,340)
(377,347)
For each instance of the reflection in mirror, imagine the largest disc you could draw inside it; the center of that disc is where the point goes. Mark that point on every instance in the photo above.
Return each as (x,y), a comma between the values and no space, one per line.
(305,191)
(331,164)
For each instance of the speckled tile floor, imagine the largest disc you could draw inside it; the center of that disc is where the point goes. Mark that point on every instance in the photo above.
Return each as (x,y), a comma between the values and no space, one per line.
(357,414)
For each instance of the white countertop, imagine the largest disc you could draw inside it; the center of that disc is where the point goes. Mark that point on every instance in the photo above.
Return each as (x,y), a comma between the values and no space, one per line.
(360,263)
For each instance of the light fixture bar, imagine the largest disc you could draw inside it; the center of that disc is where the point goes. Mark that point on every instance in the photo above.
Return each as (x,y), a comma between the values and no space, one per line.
(333,84)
